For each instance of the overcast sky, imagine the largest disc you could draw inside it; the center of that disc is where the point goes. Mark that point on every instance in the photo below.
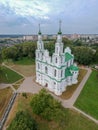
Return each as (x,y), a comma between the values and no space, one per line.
(23,16)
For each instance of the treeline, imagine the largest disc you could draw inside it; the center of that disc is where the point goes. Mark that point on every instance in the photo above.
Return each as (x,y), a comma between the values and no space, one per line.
(83,54)
(19,51)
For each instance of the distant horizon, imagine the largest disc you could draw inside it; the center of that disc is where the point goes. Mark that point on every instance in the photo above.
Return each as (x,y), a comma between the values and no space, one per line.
(53,34)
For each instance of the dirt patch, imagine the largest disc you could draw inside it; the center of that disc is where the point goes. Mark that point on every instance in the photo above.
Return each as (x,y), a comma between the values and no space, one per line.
(26,70)
(5,95)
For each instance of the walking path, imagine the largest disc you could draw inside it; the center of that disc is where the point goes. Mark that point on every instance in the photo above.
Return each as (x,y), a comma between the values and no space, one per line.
(3,85)
(88,116)
(70,102)
(30,86)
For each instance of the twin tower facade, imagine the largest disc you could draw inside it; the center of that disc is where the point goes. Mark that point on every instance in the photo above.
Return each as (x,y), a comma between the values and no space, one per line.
(58,71)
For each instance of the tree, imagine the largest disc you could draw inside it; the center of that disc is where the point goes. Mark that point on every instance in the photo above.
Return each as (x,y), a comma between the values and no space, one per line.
(23,121)
(0,60)
(96,56)
(83,55)
(45,105)
(24,95)
(50,46)
(77,42)
(67,42)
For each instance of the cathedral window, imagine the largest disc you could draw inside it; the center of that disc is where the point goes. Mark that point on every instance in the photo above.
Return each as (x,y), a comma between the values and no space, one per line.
(56,60)
(56,49)
(61,59)
(54,83)
(67,64)
(39,46)
(38,66)
(61,73)
(46,70)
(38,55)
(55,73)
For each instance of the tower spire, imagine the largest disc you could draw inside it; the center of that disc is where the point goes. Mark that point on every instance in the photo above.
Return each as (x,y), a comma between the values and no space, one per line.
(39,30)
(60,27)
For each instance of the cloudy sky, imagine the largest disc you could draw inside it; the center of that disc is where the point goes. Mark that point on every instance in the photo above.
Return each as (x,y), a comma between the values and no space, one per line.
(23,16)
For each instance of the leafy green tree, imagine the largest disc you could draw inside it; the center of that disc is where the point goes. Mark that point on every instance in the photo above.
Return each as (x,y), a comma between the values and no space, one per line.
(96,56)
(23,121)
(77,42)
(0,59)
(67,42)
(45,105)
(83,55)
(24,95)
(50,46)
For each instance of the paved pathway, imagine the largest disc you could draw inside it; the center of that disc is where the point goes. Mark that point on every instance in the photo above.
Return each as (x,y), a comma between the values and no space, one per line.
(70,102)
(30,86)
(3,85)
(88,116)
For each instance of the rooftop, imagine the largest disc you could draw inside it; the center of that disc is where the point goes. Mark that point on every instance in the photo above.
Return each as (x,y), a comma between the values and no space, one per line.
(68,56)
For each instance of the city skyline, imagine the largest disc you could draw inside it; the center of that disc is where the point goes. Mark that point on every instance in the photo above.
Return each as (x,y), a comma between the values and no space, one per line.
(23,17)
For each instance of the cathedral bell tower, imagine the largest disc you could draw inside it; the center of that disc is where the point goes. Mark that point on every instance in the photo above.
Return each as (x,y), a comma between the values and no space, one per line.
(40,44)
(59,44)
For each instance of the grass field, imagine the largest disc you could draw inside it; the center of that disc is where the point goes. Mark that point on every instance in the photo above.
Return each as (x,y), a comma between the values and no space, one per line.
(75,121)
(25,66)
(88,99)
(5,95)
(70,89)
(22,61)
(8,76)
(25,61)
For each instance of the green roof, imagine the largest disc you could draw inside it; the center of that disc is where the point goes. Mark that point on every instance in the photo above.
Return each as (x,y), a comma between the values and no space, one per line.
(39,33)
(74,68)
(59,32)
(67,72)
(68,56)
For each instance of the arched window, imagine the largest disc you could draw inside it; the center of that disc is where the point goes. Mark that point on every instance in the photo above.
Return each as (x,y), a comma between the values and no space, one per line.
(54,83)
(56,49)
(38,66)
(46,70)
(61,59)
(56,60)
(67,64)
(38,55)
(61,73)
(55,72)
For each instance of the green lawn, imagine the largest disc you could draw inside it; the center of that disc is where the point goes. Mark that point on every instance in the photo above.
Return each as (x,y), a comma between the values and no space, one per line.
(88,99)
(73,121)
(25,61)
(8,76)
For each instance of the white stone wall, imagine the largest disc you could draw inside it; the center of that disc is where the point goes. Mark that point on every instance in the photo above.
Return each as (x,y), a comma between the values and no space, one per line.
(46,67)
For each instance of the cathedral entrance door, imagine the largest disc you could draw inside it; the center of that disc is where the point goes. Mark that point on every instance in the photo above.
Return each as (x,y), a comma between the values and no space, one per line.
(46,85)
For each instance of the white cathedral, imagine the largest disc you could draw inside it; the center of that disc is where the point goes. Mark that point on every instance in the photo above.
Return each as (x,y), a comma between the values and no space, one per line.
(58,71)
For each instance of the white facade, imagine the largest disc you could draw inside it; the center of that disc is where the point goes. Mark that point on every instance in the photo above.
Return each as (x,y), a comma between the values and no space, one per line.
(58,71)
